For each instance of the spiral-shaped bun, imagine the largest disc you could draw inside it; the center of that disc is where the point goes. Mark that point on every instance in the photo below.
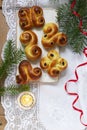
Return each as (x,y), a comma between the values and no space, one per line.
(62,64)
(53,63)
(52,37)
(27,73)
(37,16)
(50,29)
(54,72)
(53,54)
(62,39)
(29,41)
(31,17)
(24,21)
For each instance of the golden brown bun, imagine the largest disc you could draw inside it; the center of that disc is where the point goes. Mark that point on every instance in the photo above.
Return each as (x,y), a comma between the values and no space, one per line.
(53,63)
(24,21)
(37,16)
(31,17)
(62,64)
(28,38)
(53,54)
(27,73)
(62,39)
(52,37)
(29,41)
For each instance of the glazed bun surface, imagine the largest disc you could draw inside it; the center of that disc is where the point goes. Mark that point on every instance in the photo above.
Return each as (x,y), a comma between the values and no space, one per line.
(52,37)
(29,41)
(53,64)
(27,73)
(31,17)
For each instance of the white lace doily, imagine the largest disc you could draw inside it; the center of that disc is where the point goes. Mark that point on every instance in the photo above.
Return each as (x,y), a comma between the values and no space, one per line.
(53,110)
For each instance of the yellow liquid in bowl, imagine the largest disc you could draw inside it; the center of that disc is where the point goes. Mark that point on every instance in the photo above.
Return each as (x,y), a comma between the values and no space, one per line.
(26,100)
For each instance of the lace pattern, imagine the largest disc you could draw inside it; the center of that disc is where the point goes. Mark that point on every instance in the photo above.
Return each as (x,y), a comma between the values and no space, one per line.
(19,119)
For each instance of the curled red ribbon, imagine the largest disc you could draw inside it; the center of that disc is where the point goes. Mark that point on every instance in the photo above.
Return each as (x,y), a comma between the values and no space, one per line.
(73,4)
(75,94)
(85,51)
(78,15)
(83,64)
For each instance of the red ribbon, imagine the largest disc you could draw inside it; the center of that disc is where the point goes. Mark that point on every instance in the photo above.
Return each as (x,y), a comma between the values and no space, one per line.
(78,15)
(85,51)
(75,94)
(73,4)
(83,64)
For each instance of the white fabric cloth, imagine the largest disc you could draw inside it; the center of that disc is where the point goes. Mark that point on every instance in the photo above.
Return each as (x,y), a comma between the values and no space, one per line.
(53,109)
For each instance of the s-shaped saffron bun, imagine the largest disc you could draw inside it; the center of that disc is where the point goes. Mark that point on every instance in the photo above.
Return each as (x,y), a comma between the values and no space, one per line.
(31,17)
(29,41)
(27,73)
(52,37)
(53,64)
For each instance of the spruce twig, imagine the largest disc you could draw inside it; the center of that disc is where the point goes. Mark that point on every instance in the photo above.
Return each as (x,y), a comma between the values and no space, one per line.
(14,90)
(11,57)
(69,24)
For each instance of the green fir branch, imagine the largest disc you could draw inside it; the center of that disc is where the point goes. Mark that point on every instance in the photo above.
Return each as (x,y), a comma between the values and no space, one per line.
(11,56)
(69,24)
(13,90)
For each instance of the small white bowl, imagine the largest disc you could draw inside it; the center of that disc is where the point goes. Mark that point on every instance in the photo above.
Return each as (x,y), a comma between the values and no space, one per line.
(26,100)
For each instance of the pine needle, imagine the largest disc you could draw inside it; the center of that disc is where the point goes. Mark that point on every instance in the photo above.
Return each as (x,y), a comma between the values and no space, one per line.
(13,90)
(11,57)
(68,23)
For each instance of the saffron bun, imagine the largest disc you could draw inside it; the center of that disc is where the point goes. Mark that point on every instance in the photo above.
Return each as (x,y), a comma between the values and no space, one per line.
(52,36)
(31,17)
(29,41)
(53,64)
(27,73)
(50,16)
